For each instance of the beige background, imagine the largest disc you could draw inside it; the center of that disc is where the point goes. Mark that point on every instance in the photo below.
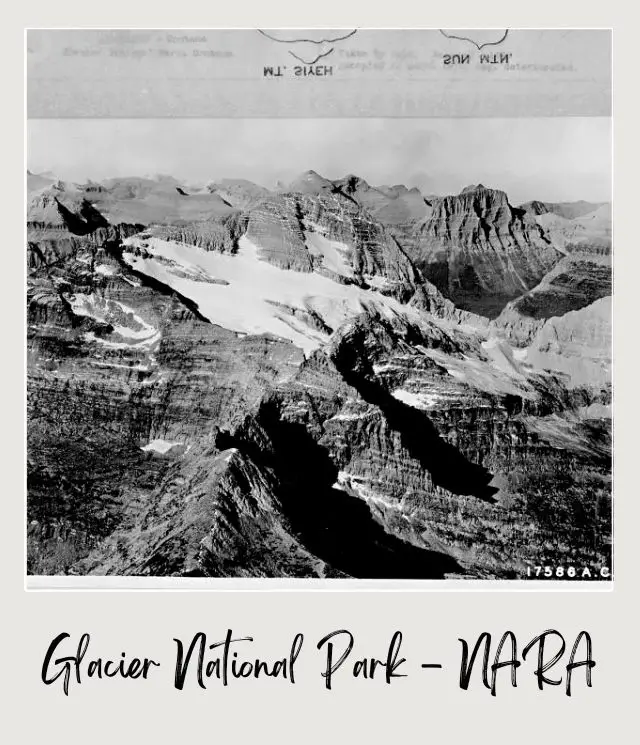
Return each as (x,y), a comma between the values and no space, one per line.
(425,706)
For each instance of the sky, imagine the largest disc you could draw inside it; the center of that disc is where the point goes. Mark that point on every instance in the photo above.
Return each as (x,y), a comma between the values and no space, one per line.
(551,159)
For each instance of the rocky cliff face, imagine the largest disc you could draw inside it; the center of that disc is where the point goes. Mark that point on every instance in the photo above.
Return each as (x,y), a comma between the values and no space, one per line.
(219,234)
(330,234)
(479,250)
(274,388)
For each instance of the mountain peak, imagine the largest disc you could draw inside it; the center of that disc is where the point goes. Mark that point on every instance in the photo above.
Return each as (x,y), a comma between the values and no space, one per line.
(311,175)
(481,194)
(351,184)
(310,182)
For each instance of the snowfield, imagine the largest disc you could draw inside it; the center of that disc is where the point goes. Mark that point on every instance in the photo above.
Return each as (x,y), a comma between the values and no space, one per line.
(247,295)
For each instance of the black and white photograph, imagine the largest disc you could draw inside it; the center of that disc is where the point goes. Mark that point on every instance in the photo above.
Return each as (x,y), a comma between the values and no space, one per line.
(320,347)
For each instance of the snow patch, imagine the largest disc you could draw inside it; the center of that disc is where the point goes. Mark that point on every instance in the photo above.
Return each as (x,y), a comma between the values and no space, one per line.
(377,282)
(130,368)
(137,332)
(385,367)
(596,411)
(347,417)
(105,269)
(228,454)
(456,373)
(503,376)
(417,400)
(160,446)
(347,482)
(335,255)
(500,354)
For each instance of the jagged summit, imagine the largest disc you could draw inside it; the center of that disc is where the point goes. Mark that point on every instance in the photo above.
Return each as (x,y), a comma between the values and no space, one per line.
(479,250)
(479,188)
(352,184)
(535,207)
(479,194)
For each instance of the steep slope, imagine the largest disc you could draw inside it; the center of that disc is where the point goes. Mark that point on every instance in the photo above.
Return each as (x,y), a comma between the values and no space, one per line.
(576,281)
(588,233)
(577,344)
